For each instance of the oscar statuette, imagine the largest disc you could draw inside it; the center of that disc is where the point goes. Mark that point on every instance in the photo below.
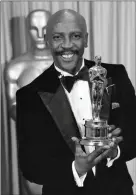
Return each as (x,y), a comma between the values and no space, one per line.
(96,129)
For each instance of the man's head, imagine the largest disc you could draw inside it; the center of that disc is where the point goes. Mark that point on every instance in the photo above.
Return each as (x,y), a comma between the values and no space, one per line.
(37,22)
(67,38)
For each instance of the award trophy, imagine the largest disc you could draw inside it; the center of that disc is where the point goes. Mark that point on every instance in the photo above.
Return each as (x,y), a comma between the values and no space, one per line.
(96,129)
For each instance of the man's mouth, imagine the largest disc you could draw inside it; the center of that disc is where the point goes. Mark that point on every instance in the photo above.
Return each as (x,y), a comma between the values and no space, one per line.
(67,56)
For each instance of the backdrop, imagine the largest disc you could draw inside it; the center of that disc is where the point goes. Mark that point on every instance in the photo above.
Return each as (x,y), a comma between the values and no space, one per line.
(112,34)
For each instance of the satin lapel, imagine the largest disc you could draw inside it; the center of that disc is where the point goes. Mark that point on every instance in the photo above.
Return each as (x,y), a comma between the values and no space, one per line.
(58,106)
(106,101)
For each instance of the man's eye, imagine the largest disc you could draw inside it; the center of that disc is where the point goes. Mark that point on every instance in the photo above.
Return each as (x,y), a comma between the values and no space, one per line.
(102,75)
(56,37)
(76,36)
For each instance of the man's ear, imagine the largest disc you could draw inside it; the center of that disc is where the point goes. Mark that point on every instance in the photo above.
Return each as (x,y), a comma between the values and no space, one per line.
(86,40)
(47,39)
(48,44)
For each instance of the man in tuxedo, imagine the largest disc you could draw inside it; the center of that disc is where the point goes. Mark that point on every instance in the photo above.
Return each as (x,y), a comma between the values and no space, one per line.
(51,114)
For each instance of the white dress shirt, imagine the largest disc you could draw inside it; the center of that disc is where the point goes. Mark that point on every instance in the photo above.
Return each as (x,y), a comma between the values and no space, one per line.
(80,102)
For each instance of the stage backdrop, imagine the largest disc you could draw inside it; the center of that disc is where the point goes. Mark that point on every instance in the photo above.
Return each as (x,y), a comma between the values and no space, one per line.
(112,34)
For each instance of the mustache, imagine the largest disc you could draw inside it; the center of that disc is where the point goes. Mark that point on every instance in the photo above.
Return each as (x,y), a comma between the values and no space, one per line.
(66,51)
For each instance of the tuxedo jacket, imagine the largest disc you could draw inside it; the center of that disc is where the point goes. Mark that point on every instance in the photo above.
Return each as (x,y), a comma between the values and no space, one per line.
(45,125)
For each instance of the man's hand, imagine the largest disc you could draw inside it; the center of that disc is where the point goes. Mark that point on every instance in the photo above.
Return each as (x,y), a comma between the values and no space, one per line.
(116,139)
(85,162)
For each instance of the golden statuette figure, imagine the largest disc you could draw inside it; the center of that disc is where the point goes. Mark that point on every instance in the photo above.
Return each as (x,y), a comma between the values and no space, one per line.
(96,129)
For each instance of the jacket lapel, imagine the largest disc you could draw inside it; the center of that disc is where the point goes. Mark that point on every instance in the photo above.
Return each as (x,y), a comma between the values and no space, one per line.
(58,106)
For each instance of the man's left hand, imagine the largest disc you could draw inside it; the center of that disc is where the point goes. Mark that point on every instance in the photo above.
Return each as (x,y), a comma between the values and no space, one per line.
(116,139)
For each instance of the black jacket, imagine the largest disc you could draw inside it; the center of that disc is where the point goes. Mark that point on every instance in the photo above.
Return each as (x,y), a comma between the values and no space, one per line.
(45,125)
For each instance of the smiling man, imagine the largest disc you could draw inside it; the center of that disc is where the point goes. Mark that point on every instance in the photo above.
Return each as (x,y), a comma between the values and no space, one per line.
(67,37)
(52,113)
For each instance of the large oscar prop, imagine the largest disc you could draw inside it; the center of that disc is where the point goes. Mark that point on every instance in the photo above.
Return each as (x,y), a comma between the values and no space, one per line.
(28,66)
(96,129)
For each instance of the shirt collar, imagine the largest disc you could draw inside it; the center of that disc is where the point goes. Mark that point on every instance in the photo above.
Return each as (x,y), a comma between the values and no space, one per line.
(64,73)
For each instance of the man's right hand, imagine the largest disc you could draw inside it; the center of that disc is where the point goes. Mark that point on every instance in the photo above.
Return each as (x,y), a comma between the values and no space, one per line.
(85,162)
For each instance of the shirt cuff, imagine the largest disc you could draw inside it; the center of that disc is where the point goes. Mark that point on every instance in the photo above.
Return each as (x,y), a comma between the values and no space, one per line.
(79,180)
(110,162)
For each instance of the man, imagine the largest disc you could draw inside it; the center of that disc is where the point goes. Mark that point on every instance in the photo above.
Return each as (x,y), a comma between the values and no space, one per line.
(25,68)
(51,120)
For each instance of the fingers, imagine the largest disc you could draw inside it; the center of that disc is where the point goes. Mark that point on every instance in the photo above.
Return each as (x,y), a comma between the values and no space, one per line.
(103,152)
(113,132)
(116,132)
(101,156)
(98,151)
(116,140)
(111,128)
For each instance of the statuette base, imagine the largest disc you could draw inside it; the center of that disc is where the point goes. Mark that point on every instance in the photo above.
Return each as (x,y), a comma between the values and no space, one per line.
(95,142)
(96,133)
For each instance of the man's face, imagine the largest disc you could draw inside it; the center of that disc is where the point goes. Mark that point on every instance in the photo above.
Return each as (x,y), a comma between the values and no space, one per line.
(37,29)
(67,41)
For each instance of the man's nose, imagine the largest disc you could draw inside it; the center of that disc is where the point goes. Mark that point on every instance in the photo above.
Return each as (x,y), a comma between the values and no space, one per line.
(67,43)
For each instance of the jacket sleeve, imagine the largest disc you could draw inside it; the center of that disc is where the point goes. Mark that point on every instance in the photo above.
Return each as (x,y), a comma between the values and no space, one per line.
(127,116)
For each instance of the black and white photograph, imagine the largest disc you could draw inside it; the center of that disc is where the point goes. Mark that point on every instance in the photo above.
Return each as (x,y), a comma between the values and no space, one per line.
(68,97)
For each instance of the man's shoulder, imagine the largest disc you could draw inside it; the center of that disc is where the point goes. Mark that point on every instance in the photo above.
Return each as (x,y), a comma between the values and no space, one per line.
(31,87)
(25,91)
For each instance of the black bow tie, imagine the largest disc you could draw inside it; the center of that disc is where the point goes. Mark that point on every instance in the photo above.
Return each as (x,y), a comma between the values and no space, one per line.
(68,81)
